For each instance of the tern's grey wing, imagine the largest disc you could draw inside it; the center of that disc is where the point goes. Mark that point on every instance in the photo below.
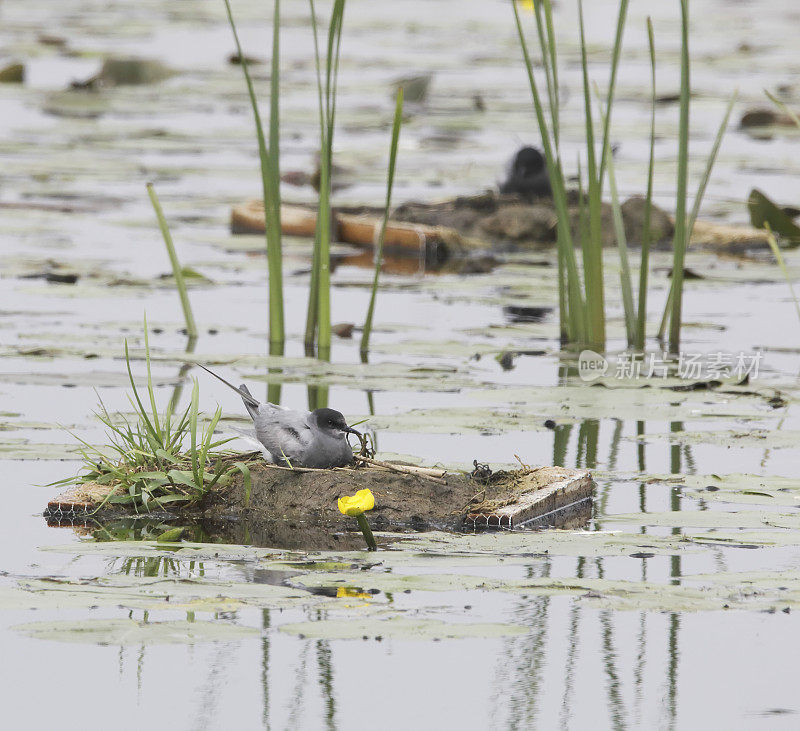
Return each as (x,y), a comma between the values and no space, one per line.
(284,432)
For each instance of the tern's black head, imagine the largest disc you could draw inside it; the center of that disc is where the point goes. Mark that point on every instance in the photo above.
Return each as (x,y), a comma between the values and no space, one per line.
(331,420)
(527,175)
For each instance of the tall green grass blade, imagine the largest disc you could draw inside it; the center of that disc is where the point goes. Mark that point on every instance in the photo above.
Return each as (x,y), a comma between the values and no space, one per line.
(396,124)
(140,410)
(549,64)
(177,272)
(193,412)
(583,230)
(208,437)
(662,328)
(325,210)
(150,391)
(572,322)
(318,317)
(612,82)
(712,158)
(773,244)
(698,200)
(270,175)
(626,286)
(274,106)
(592,246)
(313,287)
(680,239)
(644,263)
(778,103)
(551,47)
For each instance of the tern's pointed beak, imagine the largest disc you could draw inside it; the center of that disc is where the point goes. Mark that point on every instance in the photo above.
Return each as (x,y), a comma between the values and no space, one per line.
(350,430)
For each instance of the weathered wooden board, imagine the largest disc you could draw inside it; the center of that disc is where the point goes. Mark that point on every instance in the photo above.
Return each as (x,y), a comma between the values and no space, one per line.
(433,243)
(572,491)
(78,499)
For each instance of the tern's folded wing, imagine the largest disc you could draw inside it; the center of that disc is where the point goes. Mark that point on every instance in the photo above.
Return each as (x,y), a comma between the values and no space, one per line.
(283,432)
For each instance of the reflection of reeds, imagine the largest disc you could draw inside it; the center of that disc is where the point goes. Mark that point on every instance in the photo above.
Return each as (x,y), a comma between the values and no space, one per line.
(581,289)
(573,638)
(266,625)
(325,666)
(530,654)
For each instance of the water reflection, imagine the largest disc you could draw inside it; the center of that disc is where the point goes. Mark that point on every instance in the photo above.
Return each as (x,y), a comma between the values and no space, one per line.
(318,394)
(277,533)
(585,454)
(583,643)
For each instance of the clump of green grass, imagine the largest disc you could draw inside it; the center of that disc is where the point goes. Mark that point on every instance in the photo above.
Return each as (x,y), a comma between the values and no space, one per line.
(158,460)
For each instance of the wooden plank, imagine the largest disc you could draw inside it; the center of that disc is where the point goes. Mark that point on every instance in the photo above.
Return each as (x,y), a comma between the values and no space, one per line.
(432,243)
(79,499)
(565,489)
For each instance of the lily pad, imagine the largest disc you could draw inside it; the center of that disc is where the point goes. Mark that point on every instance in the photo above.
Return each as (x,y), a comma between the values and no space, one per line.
(131,632)
(764,211)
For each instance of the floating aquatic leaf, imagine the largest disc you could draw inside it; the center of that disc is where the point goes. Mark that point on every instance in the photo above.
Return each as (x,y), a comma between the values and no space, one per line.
(144,592)
(131,632)
(711,519)
(764,211)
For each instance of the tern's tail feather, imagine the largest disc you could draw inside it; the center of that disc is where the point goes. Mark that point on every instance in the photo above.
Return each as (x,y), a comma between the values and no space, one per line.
(250,403)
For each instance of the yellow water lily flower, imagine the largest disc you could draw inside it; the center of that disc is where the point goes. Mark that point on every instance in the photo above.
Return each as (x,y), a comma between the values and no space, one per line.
(355,505)
(527,4)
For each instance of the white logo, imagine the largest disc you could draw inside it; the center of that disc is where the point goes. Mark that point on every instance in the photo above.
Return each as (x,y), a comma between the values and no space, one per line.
(591,365)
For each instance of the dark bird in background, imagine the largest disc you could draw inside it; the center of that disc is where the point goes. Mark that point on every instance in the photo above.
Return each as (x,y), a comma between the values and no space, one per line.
(527,175)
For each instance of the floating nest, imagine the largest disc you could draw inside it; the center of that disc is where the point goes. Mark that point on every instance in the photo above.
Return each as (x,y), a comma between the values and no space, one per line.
(405,495)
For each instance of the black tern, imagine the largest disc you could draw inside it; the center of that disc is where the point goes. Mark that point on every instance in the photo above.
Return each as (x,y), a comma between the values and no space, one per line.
(298,438)
(527,175)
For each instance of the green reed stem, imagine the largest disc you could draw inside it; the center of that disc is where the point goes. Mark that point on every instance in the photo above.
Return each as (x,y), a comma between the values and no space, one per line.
(626,286)
(319,304)
(698,200)
(270,173)
(592,245)
(396,124)
(644,264)
(177,272)
(572,319)
(773,244)
(612,82)
(681,236)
